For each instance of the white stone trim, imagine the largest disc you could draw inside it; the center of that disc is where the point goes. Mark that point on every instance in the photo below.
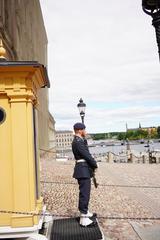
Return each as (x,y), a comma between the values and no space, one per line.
(24,232)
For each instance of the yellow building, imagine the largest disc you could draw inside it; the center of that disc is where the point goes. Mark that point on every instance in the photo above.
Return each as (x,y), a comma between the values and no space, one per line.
(25,121)
(150,130)
(19,158)
(24,37)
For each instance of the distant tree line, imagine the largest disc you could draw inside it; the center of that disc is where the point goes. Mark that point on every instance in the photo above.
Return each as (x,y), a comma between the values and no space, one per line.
(130,134)
(134,135)
(102,136)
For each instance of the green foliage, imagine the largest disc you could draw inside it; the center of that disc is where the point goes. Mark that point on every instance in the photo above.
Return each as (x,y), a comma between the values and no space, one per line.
(121,136)
(158,131)
(102,136)
(136,134)
(98,136)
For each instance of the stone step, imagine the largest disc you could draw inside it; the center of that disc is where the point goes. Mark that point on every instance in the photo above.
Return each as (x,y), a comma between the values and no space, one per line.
(69,229)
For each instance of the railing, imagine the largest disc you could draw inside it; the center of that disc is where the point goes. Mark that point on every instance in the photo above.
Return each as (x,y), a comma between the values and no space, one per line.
(129,157)
(122,157)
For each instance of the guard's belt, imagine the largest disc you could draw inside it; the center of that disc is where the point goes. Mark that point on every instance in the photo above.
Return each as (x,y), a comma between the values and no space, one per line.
(80,160)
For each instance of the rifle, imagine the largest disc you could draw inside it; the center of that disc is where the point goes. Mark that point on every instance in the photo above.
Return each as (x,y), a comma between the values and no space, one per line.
(95,180)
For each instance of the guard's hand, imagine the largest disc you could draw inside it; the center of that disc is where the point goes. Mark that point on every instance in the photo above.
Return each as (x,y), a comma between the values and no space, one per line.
(97,165)
(96,169)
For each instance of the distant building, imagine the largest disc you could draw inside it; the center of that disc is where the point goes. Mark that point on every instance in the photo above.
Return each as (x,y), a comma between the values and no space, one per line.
(52,135)
(150,130)
(64,139)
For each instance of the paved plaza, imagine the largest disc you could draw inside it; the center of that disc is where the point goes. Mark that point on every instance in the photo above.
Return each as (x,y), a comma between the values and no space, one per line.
(125,190)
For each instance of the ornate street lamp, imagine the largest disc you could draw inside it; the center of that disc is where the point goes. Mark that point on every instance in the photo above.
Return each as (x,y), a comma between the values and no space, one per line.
(152,8)
(81,106)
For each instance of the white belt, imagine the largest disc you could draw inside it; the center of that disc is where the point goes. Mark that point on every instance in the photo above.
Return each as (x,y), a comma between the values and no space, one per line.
(80,160)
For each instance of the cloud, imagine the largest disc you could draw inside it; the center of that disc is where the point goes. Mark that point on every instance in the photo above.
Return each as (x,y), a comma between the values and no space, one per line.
(111,120)
(107,54)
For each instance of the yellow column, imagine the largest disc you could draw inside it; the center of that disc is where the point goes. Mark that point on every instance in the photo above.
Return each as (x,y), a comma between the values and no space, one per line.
(18,96)
(6,191)
(22,161)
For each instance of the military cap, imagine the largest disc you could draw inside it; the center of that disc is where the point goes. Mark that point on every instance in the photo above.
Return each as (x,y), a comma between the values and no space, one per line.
(79,126)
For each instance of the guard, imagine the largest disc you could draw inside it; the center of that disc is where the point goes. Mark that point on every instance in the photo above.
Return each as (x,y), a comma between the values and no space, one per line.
(83,172)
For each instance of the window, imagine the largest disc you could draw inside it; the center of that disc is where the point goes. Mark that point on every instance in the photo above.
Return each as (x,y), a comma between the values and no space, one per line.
(2,115)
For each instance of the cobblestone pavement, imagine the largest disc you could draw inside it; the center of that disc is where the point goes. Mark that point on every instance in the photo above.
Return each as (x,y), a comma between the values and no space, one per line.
(105,200)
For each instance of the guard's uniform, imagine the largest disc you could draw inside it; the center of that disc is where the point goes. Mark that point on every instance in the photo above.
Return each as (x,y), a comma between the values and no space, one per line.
(83,171)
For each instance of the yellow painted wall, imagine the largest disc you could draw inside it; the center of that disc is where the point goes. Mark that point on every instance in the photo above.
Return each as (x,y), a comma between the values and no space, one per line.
(18,96)
(5,162)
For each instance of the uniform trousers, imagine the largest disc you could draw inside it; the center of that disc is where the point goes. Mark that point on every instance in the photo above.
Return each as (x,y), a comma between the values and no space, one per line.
(84,194)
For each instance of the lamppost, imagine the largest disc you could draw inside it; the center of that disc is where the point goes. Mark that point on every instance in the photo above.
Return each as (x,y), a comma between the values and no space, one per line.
(152,8)
(81,106)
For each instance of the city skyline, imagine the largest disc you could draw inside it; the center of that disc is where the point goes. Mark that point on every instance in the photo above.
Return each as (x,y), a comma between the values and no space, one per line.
(125,129)
(108,56)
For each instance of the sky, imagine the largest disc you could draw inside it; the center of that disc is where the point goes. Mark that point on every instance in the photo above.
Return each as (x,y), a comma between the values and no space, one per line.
(104,52)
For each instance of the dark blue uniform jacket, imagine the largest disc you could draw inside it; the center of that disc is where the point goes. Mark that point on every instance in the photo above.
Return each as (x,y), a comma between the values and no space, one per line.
(80,151)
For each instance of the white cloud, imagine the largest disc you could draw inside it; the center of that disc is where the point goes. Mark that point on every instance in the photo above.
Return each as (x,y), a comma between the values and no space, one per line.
(103,52)
(111,120)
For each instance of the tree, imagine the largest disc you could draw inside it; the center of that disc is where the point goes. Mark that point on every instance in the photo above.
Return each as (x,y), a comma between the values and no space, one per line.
(130,134)
(121,136)
(158,131)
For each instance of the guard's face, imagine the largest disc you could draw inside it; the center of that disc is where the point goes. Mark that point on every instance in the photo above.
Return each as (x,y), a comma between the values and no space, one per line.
(83,132)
